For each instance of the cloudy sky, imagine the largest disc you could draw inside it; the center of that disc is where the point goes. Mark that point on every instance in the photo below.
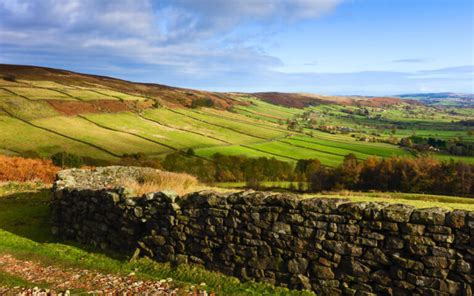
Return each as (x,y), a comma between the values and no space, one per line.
(369,47)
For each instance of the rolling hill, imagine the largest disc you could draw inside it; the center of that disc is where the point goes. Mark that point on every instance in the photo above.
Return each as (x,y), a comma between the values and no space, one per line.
(443,99)
(44,111)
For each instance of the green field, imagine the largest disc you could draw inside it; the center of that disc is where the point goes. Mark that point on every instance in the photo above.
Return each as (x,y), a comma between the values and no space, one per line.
(133,124)
(241,127)
(24,108)
(295,152)
(19,136)
(416,200)
(116,94)
(172,119)
(39,93)
(349,144)
(238,150)
(116,143)
(263,110)
(84,95)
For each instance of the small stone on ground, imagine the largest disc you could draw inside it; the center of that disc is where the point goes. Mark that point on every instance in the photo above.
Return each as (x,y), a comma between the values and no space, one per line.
(62,280)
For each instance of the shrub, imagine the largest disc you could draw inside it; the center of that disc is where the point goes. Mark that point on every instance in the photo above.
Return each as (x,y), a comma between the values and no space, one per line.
(202,102)
(141,160)
(9,77)
(23,169)
(30,154)
(64,159)
(253,184)
(190,152)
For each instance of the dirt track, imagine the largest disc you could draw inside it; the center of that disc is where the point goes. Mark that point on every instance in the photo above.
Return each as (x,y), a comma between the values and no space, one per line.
(61,281)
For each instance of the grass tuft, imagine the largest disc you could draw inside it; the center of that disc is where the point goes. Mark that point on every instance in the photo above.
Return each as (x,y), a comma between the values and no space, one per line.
(156,180)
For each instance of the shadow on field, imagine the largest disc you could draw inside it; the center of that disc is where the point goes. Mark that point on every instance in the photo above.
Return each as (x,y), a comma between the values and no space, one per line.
(27,214)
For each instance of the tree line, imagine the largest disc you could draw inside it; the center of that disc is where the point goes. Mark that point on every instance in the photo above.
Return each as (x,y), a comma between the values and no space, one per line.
(230,168)
(399,173)
(454,147)
(405,174)
(423,174)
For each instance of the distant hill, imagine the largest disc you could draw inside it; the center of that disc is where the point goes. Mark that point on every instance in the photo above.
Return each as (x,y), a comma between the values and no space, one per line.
(161,94)
(442,99)
(302,100)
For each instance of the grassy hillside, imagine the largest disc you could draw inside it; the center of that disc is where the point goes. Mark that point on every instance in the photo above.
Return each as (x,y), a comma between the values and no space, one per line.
(46,111)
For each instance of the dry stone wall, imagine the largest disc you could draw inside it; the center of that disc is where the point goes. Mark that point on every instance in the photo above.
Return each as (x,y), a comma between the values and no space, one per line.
(330,246)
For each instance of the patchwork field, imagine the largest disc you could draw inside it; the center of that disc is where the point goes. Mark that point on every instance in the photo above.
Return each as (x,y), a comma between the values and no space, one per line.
(113,141)
(136,125)
(48,112)
(21,137)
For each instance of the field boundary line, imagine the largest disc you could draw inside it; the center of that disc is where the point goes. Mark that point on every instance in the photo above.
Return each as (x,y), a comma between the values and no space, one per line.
(128,133)
(112,96)
(271,153)
(337,147)
(181,129)
(322,151)
(79,88)
(66,94)
(8,149)
(50,89)
(249,122)
(218,125)
(15,94)
(62,135)
(257,114)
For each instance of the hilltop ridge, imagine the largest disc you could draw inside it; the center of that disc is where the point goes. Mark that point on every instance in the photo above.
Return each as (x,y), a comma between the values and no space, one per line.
(162,94)
(179,97)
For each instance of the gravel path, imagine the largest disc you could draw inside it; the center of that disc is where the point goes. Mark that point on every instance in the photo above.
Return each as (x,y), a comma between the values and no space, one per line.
(62,280)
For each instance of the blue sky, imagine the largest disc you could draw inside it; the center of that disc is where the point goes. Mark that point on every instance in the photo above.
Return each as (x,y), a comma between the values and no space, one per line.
(366,47)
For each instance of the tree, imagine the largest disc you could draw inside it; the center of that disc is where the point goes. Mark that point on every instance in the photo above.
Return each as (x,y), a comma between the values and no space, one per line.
(406,142)
(347,174)
(369,173)
(190,152)
(322,179)
(307,168)
(66,160)
(9,77)
(464,180)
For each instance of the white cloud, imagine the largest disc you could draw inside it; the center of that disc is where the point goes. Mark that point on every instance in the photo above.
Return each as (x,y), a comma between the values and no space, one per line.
(180,33)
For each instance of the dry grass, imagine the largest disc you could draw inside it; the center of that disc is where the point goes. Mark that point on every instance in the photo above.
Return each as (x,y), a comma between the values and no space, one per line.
(24,169)
(414,199)
(155,181)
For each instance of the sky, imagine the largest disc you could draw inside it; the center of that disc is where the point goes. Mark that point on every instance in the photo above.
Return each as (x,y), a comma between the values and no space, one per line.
(358,47)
